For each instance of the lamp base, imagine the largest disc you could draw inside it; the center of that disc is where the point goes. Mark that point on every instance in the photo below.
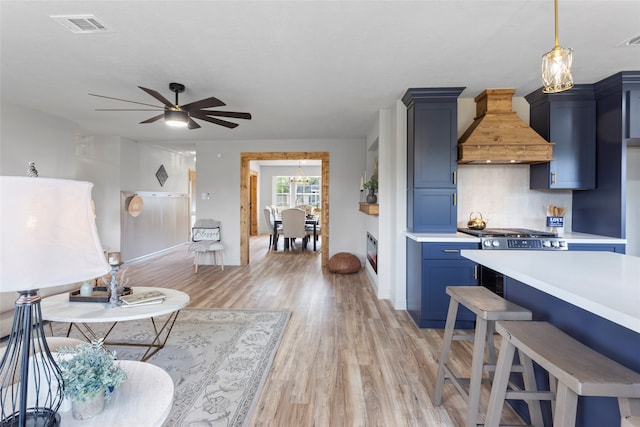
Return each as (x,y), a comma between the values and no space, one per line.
(42,417)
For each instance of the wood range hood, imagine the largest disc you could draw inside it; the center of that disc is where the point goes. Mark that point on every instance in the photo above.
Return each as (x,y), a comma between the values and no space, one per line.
(498,135)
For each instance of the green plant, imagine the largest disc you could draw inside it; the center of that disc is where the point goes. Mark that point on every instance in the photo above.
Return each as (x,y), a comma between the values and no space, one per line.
(372,184)
(88,369)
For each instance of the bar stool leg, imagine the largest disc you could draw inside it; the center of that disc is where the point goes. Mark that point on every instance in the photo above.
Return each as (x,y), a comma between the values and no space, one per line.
(197,261)
(475,382)
(535,410)
(446,348)
(500,382)
(566,406)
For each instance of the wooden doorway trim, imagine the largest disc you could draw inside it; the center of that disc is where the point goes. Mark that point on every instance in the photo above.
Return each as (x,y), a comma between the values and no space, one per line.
(253,203)
(245,158)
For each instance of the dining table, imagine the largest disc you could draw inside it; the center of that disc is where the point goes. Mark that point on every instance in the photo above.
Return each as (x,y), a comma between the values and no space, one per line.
(309,220)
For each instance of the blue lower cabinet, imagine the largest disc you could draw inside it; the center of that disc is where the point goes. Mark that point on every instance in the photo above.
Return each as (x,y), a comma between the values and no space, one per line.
(431,267)
(603,247)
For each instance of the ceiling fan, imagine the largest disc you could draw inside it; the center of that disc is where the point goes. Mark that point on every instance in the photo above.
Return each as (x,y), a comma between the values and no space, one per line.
(178,115)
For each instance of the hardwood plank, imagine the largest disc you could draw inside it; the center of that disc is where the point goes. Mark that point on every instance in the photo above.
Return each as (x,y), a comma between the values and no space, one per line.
(346,358)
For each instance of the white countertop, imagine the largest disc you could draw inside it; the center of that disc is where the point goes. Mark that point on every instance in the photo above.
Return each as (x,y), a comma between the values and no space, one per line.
(570,237)
(603,283)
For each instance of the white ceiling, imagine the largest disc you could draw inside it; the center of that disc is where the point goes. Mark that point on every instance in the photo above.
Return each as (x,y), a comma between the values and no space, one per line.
(304,69)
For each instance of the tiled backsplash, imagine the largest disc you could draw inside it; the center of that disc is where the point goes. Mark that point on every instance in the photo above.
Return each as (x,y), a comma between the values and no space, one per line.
(501,193)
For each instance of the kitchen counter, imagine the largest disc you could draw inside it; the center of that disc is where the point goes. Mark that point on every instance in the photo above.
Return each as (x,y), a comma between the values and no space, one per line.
(443,237)
(603,283)
(570,237)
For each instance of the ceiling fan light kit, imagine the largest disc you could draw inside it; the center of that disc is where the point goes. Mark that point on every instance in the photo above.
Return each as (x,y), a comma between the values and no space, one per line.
(177,115)
(556,64)
(176,118)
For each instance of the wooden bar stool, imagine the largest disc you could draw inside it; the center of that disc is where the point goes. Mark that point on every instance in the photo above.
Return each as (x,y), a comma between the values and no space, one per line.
(488,308)
(576,370)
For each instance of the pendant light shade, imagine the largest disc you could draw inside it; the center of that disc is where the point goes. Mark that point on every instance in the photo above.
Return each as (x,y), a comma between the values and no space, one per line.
(556,64)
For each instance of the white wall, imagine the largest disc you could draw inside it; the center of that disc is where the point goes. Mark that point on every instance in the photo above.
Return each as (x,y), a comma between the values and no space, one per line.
(28,135)
(112,163)
(218,173)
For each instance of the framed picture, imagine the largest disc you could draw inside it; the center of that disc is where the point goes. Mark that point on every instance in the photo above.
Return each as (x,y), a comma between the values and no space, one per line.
(162,176)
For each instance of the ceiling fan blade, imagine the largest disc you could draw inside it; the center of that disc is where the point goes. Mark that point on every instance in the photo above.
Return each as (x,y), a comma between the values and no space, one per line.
(233,114)
(124,100)
(199,115)
(192,124)
(203,103)
(129,109)
(153,119)
(157,96)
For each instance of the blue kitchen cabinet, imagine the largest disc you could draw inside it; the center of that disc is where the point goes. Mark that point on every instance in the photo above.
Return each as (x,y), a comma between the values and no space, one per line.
(432,210)
(604,247)
(567,119)
(633,113)
(432,118)
(602,210)
(431,267)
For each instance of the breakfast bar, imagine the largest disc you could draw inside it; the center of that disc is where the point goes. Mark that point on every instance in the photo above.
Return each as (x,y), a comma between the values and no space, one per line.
(592,296)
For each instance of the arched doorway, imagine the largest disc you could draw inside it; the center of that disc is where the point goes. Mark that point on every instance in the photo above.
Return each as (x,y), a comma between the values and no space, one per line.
(245,158)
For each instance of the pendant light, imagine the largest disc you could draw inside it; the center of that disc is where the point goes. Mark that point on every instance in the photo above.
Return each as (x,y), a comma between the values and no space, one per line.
(300,176)
(556,65)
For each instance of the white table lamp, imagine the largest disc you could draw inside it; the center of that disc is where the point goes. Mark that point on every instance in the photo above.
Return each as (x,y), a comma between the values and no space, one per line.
(48,238)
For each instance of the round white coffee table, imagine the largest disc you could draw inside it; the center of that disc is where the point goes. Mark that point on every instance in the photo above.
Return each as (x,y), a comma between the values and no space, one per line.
(143,400)
(58,308)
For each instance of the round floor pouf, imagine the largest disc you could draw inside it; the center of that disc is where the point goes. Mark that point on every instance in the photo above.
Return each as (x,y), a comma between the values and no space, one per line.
(344,263)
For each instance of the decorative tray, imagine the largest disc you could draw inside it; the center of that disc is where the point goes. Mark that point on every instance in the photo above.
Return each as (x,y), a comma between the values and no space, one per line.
(100,294)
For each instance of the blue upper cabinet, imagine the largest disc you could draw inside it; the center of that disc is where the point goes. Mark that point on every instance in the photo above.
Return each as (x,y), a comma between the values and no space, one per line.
(432,120)
(603,209)
(633,113)
(569,120)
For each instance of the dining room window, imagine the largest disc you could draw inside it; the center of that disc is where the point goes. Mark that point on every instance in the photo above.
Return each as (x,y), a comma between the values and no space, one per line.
(291,193)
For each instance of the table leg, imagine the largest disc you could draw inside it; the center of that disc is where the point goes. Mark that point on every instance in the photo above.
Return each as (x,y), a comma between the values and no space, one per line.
(158,342)
(315,234)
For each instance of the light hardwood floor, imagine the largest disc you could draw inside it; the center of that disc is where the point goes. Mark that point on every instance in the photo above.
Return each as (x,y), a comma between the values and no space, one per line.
(346,358)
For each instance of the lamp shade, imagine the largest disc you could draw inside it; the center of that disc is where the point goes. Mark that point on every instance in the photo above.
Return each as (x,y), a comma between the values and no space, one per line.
(48,235)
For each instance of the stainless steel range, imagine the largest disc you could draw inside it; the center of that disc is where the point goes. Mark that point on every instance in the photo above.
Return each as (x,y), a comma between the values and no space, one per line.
(513,239)
(518,239)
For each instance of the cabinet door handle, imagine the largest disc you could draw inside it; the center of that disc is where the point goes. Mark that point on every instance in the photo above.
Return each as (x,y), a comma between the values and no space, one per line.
(553,177)
(455,199)
(451,250)
(475,272)
(454,178)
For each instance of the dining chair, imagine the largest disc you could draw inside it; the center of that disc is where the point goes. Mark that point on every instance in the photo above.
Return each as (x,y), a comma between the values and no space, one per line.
(293,226)
(307,208)
(270,218)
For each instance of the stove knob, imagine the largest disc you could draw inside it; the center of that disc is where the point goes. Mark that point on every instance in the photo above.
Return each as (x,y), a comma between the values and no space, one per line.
(495,243)
(487,243)
(556,244)
(546,243)
(563,244)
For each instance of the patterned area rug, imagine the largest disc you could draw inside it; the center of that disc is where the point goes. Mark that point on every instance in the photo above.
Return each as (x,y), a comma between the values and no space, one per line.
(218,360)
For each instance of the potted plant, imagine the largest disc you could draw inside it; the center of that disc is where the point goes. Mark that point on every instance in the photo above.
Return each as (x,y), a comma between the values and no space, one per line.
(89,375)
(372,186)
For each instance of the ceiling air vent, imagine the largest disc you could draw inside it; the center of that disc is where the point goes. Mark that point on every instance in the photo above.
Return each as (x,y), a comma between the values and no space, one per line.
(81,24)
